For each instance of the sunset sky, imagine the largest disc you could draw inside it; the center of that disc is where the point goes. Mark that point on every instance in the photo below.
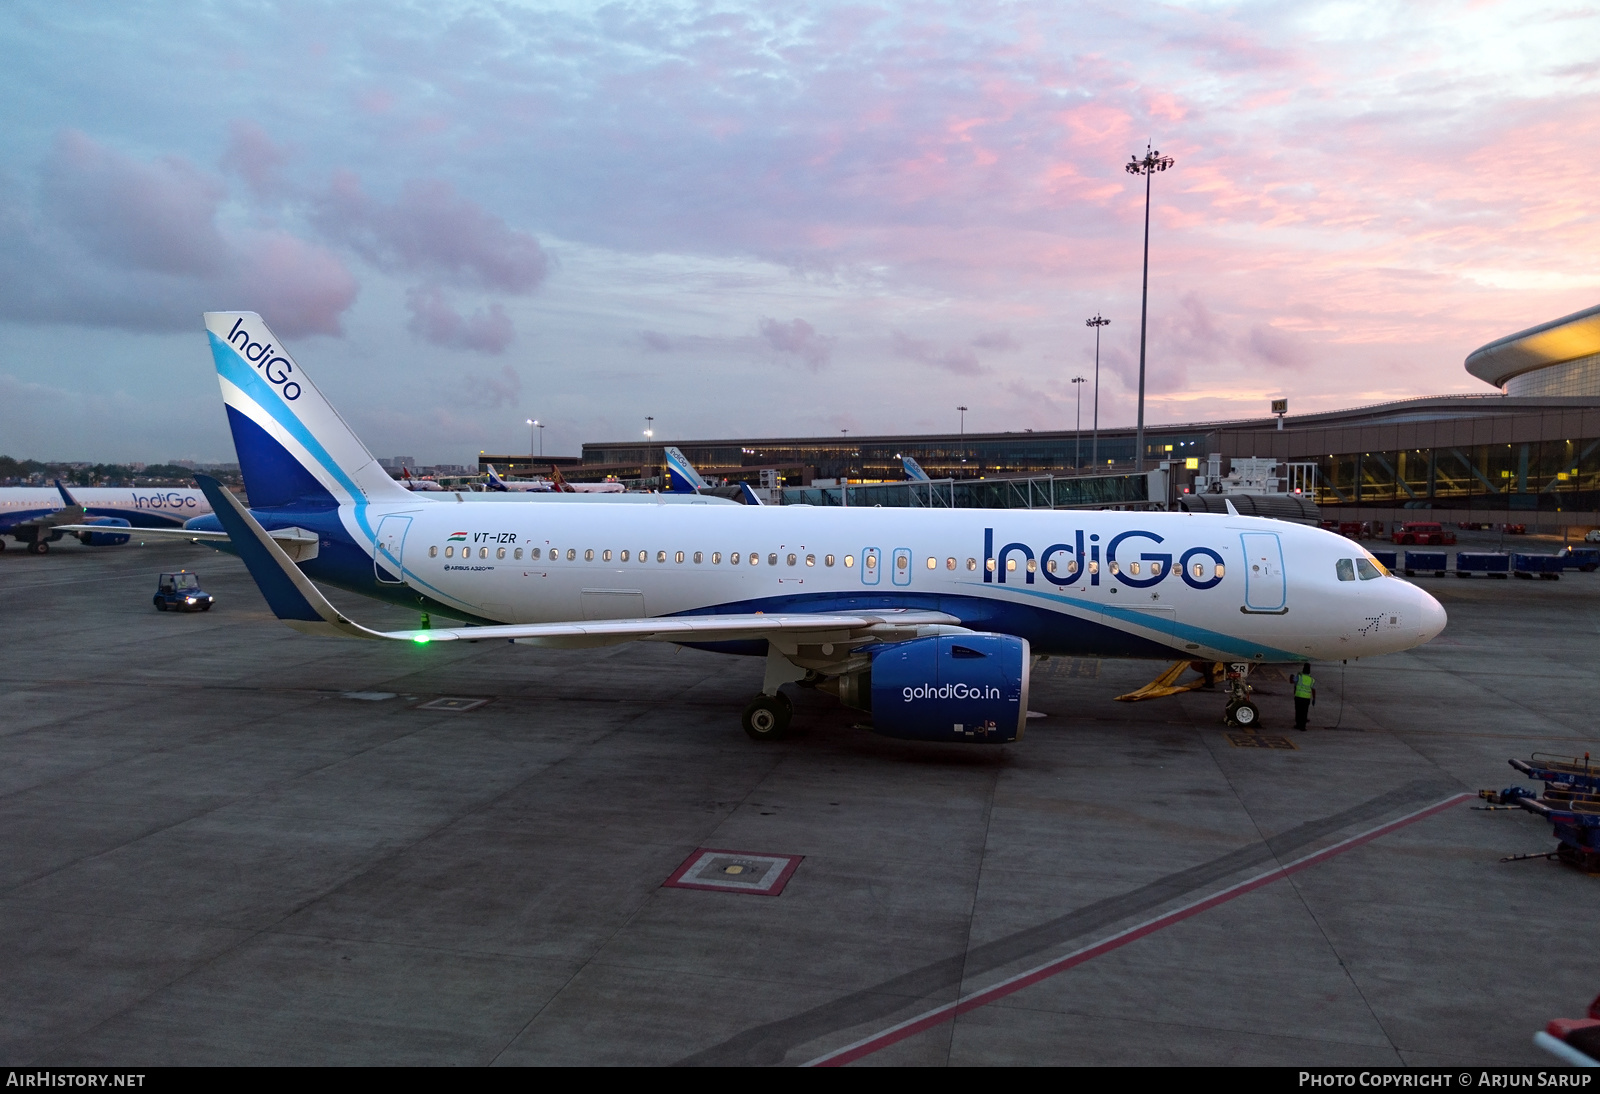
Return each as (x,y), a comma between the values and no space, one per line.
(774,219)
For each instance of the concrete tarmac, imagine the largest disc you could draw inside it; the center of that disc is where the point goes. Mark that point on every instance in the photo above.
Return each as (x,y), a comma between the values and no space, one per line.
(222,842)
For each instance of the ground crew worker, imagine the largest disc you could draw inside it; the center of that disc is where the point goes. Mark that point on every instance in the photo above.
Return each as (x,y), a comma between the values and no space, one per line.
(1305,693)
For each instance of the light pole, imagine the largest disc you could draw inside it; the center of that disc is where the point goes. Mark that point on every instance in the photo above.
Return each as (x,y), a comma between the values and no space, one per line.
(1077,436)
(1096,323)
(963,433)
(1152,162)
(538,431)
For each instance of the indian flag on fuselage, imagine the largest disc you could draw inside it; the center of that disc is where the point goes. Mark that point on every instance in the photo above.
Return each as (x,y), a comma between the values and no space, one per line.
(456,537)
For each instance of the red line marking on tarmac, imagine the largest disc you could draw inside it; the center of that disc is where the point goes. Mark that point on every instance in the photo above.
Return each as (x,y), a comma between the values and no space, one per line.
(947,1013)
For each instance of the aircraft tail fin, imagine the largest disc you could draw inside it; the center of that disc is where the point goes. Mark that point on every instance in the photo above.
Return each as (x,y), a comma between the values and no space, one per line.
(682,478)
(496,483)
(749,496)
(293,447)
(914,470)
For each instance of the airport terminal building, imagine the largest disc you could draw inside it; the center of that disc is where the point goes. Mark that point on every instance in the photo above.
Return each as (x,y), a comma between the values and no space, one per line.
(1529,453)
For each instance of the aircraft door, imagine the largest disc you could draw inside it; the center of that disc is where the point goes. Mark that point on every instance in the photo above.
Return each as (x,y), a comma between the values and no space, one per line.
(902,566)
(1265,589)
(871,568)
(390,549)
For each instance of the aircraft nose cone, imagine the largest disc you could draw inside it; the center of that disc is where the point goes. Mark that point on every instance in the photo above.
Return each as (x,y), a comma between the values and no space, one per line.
(1433,617)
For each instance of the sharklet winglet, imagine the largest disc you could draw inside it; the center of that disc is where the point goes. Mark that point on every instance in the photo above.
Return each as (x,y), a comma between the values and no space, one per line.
(288,592)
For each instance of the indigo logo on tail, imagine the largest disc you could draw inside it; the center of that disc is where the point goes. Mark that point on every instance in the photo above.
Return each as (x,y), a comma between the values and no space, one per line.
(275,369)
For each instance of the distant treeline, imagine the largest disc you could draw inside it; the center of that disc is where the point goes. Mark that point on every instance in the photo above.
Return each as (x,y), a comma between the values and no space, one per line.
(44,472)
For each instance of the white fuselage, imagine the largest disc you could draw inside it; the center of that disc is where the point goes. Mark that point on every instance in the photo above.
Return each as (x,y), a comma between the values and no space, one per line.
(151,506)
(1250,589)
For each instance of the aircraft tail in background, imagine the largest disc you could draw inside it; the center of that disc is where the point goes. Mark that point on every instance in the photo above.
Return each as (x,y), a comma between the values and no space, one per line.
(914,470)
(682,478)
(293,447)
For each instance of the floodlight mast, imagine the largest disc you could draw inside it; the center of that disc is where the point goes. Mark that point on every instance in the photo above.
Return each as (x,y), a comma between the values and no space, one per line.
(1097,322)
(1077,434)
(1153,161)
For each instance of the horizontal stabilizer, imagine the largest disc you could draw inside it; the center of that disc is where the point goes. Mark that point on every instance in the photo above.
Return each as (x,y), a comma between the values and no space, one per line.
(289,593)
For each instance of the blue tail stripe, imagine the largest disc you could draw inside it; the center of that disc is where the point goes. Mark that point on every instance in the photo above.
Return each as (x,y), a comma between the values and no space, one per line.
(238,372)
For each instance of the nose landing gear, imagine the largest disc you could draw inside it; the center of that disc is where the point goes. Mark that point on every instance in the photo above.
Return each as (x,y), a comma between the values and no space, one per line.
(1240,711)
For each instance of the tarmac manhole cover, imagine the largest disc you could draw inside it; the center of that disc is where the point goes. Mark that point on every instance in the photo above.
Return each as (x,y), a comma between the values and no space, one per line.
(451,703)
(734,872)
(1260,740)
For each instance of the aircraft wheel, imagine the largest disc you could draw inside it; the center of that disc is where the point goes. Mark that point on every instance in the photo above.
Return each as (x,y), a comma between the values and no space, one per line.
(767,717)
(1245,715)
(38,547)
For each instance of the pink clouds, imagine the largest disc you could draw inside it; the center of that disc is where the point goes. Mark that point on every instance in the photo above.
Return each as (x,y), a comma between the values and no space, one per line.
(435,320)
(158,216)
(797,339)
(117,241)
(433,230)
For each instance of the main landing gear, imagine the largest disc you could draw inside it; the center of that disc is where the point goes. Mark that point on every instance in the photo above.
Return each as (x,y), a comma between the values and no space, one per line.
(1240,711)
(767,717)
(38,547)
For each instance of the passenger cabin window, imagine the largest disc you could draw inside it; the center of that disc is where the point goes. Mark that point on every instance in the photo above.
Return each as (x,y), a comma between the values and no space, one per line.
(733,558)
(572,554)
(644,556)
(678,557)
(933,563)
(699,557)
(949,564)
(518,552)
(755,559)
(901,562)
(972,564)
(433,552)
(1367,570)
(605,556)
(827,560)
(588,554)
(716,558)
(499,552)
(449,552)
(790,560)
(811,560)
(772,560)
(661,556)
(1346,569)
(849,561)
(533,552)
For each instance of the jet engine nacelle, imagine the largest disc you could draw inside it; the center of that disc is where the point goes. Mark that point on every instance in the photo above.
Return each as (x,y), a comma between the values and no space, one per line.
(104,539)
(963,687)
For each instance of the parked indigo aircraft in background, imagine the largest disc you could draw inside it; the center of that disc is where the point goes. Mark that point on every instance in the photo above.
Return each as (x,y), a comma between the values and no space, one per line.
(926,618)
(38,516)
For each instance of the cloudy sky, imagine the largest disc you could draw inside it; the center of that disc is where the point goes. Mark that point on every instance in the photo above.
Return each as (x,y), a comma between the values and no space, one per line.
(784,218)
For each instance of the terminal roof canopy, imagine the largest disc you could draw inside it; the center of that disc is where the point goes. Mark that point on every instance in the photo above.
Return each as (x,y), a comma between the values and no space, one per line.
(1560,340)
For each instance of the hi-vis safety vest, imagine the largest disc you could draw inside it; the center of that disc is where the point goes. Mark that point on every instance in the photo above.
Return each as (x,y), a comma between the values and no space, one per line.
(1303,683)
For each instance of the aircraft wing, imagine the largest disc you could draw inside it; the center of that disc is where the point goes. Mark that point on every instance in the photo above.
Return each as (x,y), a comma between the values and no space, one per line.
(296,601)
(294,537)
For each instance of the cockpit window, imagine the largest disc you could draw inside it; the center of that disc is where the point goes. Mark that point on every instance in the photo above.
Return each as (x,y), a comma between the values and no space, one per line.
(1346,568)
(1367,570)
